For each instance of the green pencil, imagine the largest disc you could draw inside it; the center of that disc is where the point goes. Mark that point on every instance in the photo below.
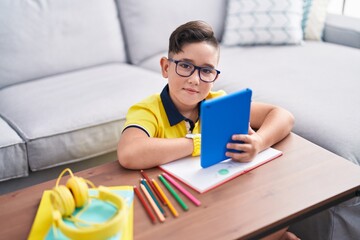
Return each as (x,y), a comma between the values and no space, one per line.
(172,191)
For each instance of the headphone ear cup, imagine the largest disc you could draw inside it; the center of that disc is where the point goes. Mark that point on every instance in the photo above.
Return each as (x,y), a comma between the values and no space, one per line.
(79,190)
(62,200)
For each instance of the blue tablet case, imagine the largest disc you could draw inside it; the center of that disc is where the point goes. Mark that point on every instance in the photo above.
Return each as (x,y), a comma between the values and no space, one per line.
(220,118)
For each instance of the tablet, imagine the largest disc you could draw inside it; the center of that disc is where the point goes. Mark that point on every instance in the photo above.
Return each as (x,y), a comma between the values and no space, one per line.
(220,118)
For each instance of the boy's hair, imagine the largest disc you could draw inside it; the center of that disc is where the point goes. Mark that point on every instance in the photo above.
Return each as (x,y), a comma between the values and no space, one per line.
(191,32)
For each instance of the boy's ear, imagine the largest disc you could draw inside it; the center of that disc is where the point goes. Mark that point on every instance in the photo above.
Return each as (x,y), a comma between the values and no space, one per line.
(164,64)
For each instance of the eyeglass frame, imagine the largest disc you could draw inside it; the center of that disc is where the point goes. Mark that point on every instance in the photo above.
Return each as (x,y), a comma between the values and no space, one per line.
(195,68)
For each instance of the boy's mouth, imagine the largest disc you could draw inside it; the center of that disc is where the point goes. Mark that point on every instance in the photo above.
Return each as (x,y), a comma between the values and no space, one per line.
(190,90)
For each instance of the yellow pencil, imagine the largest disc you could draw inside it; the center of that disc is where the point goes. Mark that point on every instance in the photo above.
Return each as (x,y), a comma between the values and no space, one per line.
(171,207)
(152,203)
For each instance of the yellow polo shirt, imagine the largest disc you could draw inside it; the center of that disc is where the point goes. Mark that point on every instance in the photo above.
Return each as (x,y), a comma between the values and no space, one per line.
(158,116)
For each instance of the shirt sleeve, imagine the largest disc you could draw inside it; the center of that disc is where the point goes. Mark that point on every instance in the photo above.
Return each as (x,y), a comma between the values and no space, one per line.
(140,116)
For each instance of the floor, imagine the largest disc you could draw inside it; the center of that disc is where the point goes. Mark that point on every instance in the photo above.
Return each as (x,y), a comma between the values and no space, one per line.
(48,174)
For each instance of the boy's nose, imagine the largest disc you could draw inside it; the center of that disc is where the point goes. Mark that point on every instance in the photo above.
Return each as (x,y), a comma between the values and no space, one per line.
(195,77)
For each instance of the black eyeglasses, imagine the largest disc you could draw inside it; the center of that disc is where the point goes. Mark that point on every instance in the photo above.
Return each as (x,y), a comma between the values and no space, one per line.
(186,69)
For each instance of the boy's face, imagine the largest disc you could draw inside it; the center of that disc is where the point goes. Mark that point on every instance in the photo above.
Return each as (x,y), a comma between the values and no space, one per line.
(187,92)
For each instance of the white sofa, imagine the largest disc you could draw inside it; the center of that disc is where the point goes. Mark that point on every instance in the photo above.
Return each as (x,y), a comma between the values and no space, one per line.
(69,70)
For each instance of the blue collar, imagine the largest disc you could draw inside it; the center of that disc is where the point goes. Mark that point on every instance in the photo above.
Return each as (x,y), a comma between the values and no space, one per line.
(173,114)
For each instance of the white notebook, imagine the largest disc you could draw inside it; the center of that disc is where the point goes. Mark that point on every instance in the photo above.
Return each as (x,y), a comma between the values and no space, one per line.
(189,171)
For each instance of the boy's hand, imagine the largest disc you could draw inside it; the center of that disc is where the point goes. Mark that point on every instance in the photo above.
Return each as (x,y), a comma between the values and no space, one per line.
(250,147)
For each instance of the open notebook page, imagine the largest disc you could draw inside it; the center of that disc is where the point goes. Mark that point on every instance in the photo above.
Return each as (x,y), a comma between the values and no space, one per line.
(189,171)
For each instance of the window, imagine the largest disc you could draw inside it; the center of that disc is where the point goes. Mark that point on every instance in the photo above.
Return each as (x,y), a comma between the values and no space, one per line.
(349,8)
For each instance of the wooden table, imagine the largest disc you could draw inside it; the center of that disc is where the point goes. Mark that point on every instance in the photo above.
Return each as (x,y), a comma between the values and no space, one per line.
(305,180)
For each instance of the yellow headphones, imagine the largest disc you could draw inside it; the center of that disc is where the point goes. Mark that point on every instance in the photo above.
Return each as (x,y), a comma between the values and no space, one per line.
(64,199)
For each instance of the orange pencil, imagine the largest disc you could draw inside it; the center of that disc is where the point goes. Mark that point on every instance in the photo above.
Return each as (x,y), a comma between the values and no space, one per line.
(152,203)
(150,214)
(171,207)
(153,187)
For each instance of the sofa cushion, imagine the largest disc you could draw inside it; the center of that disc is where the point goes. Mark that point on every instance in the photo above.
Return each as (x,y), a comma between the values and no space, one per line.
(13,160)
(148,24)
(317,82)
(275,22)
(42,38)
(314,18)
(70,117)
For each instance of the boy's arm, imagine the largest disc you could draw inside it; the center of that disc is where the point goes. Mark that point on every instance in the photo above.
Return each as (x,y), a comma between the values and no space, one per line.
(138,151)
(272,124)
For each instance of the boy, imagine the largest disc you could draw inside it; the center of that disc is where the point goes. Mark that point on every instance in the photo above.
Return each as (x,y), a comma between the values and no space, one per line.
(156,128)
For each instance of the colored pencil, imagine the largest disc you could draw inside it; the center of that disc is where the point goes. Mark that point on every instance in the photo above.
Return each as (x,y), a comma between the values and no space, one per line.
(172,191)
(156,191)
(142,200)
(181,189)
(152,203)
(168,203)
(143,181)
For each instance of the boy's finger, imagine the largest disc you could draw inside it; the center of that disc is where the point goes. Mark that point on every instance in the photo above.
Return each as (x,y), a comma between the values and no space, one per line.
(239,146)
(239,157)
(241,137)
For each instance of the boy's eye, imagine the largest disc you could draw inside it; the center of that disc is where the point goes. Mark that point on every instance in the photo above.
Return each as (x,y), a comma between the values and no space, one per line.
(185,65)
(206,70)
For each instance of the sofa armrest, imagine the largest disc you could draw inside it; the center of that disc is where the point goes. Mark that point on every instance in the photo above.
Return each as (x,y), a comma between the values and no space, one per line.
(342,30)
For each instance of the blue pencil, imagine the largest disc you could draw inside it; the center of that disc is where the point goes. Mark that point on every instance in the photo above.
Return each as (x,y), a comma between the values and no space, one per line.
(144,182)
